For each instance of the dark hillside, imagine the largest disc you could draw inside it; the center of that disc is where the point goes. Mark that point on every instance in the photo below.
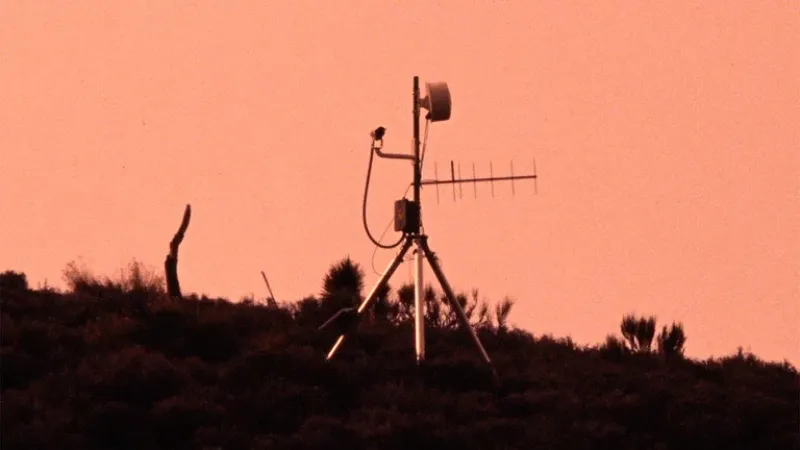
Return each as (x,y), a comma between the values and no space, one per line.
(130,368)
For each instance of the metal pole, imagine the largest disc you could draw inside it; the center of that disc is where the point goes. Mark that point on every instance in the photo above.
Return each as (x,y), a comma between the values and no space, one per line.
(268,287)
(419,304)
(419,300)
(417,174)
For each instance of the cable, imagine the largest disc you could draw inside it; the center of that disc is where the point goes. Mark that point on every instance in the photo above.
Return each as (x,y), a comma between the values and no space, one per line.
(424,145)
(364,206)
(375,251)
(421,160)
(366,190)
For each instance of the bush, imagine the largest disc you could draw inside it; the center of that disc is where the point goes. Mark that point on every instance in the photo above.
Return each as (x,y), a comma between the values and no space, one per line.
(135,278)
(80,372)
(13,281)
(638,332)
(342,286)
(670,342)
(614,349)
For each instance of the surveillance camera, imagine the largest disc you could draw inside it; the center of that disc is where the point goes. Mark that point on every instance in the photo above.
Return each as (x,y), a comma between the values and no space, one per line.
(378,133)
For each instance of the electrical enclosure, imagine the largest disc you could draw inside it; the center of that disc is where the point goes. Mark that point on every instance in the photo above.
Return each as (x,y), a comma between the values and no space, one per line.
(406,216)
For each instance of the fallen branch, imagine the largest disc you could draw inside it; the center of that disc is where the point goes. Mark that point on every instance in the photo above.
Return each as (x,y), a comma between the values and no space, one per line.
(171,263)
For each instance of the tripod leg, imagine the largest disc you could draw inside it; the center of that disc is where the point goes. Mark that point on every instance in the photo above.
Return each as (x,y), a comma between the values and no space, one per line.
(451,298)
(419,305)
(371,297)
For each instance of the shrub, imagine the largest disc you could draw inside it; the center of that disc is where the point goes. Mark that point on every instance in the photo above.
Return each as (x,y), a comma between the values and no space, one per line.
(133,376)
(13,281)
(614,348)
(501,312)
(638,332)
(342,285)
(670,342)
(135,278)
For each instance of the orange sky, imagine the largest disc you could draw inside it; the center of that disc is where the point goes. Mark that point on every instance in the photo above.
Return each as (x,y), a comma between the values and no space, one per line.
(666,139)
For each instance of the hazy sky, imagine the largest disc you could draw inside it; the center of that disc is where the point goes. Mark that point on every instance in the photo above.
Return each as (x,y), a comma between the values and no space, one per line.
(666,139)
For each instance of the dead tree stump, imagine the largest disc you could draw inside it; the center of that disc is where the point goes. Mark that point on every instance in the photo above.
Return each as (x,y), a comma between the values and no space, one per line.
(171,263)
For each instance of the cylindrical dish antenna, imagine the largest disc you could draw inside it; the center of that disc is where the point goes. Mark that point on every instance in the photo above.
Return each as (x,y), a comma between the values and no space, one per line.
(437,101)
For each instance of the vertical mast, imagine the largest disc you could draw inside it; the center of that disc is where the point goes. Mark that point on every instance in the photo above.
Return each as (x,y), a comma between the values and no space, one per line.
(419,300)
(417,174)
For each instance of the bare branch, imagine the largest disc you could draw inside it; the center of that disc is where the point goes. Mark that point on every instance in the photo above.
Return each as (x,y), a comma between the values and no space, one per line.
(171,263)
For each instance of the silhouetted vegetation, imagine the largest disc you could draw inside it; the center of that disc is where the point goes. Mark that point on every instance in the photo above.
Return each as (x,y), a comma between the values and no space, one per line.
(117,363)
(171,261)
(342,287)
(13,281)
(638,338)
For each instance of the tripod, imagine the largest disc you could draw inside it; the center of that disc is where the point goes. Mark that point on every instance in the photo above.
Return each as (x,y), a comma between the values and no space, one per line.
(407,219)
(423,252)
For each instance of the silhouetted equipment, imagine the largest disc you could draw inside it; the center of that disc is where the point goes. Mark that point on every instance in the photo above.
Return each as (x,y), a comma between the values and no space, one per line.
(377,133)
(406,216)
(437,101)
(408,220)
(475,180)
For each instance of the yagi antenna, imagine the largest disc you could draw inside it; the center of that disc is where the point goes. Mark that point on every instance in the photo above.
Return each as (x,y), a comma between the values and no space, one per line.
(475,180)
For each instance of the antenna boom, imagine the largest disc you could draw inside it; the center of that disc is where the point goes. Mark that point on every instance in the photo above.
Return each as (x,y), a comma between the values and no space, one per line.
(478,180)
